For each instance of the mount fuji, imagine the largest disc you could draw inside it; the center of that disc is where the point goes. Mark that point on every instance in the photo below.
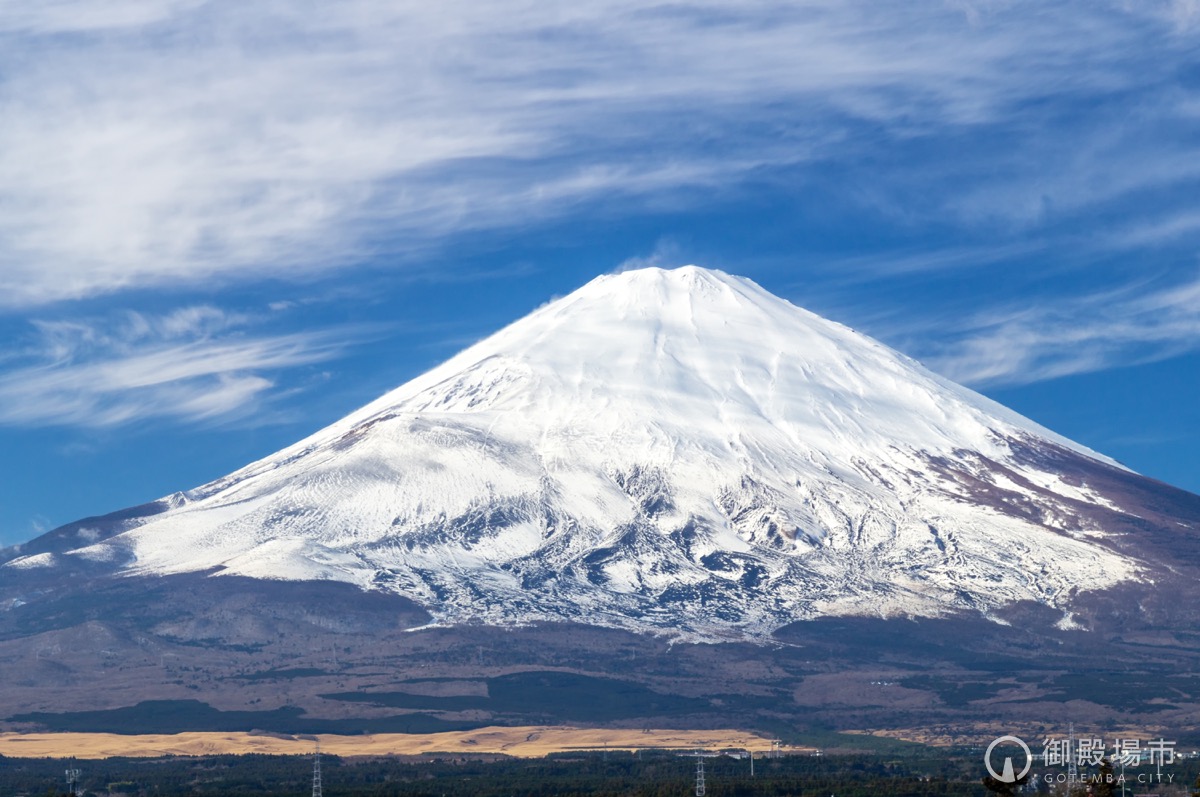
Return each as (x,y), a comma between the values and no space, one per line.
(556,523)
(672,451)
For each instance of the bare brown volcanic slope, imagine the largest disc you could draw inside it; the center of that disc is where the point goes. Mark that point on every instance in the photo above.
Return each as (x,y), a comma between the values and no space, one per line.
(667,496)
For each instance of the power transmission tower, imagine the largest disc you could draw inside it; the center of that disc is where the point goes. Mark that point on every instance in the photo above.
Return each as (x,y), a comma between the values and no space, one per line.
(72,781)
(317,771)
(1072,759)
(699,775)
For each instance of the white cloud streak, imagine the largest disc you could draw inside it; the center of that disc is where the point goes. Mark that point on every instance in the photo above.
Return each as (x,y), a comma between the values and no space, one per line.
(193,364)
(1127,326)
(160,142)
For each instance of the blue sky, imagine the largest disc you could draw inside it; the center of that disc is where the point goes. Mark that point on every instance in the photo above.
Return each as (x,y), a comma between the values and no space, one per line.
(224,224)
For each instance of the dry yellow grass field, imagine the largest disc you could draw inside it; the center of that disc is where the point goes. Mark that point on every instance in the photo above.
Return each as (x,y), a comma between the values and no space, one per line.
(524,742)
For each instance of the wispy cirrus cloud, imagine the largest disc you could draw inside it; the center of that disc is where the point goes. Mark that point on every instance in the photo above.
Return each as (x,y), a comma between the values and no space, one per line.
(1123,326)
(193,364)
(154,142)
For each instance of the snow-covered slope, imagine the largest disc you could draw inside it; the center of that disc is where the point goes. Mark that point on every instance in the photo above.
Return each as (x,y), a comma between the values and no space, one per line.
(660,450)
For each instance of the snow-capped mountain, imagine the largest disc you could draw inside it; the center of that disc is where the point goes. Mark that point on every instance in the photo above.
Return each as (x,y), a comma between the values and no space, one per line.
(662,450)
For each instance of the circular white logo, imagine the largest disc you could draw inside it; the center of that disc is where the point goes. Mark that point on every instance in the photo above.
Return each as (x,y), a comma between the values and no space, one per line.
(1007,775)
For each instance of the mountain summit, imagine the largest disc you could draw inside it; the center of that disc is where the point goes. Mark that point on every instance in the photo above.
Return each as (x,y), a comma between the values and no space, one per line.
(662,450)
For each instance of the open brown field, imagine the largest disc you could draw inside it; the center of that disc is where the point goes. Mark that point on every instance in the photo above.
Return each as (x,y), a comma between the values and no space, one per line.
(523,742)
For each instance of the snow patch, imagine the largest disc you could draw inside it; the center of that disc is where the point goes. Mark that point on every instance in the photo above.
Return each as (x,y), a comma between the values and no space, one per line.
(33,561)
